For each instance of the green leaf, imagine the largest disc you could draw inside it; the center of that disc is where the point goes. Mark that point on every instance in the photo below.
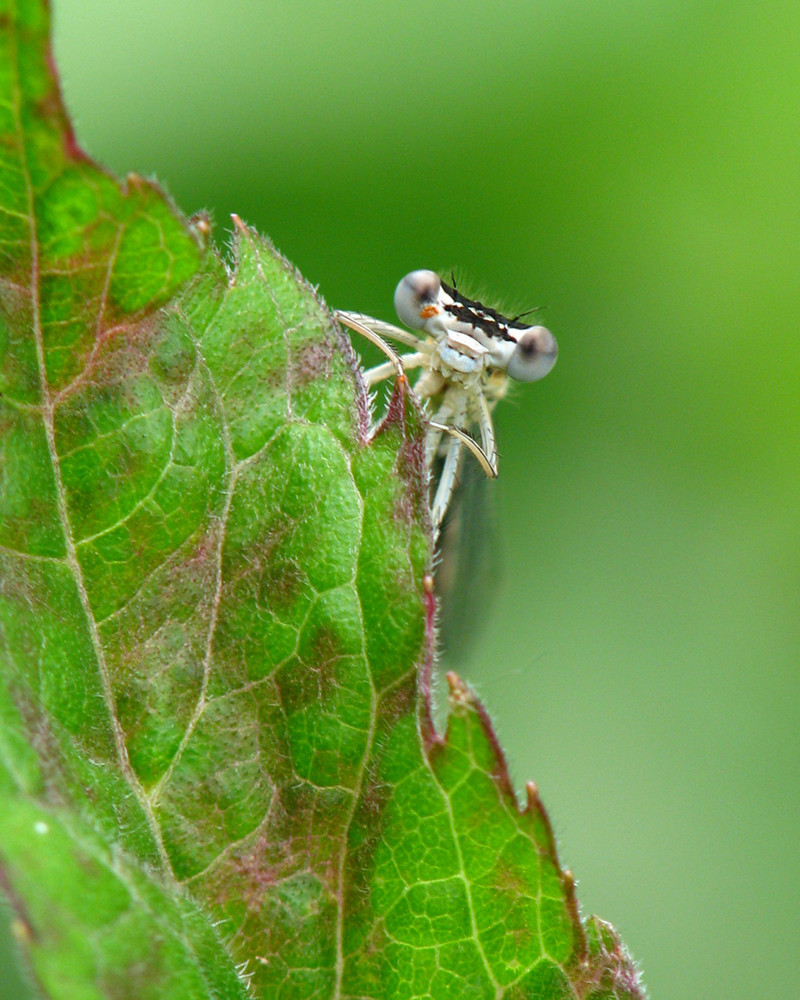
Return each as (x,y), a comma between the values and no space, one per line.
(217,763)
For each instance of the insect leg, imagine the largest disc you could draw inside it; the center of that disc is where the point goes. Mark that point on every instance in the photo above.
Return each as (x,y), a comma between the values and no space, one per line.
(470,444)
(452,449)
(452,413)
(446,484)
(486,426)
(377,328)
(354,322)
(377,374)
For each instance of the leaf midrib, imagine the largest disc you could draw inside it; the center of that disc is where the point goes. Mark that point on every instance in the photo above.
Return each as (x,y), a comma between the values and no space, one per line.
(47,413)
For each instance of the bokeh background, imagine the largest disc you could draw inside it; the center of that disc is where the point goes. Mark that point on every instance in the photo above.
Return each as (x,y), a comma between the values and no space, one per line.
(634,168)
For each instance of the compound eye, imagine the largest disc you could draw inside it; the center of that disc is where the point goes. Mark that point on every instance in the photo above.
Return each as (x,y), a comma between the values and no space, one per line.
(415,296)
(534,355)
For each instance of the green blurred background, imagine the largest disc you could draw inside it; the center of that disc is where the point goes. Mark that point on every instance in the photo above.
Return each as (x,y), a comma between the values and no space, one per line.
(635,168)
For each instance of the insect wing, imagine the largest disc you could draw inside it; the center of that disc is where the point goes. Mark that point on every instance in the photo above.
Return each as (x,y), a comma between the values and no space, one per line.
(468,573)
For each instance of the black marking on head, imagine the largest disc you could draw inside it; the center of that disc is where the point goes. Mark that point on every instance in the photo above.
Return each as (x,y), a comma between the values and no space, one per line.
(493,323)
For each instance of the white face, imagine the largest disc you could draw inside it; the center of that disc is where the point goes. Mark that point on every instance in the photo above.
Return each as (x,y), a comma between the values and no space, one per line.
(422,302)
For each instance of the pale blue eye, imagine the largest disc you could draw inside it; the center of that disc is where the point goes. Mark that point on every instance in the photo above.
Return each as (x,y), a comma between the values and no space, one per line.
(534,356)
(415,293)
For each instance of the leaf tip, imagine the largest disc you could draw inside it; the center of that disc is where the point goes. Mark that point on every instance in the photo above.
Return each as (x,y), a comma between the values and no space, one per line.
(21,931)
(200,227)
(608,968)
(457,689)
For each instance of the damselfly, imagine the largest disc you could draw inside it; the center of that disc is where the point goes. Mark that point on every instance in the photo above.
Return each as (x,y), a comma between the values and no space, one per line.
(466,352)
